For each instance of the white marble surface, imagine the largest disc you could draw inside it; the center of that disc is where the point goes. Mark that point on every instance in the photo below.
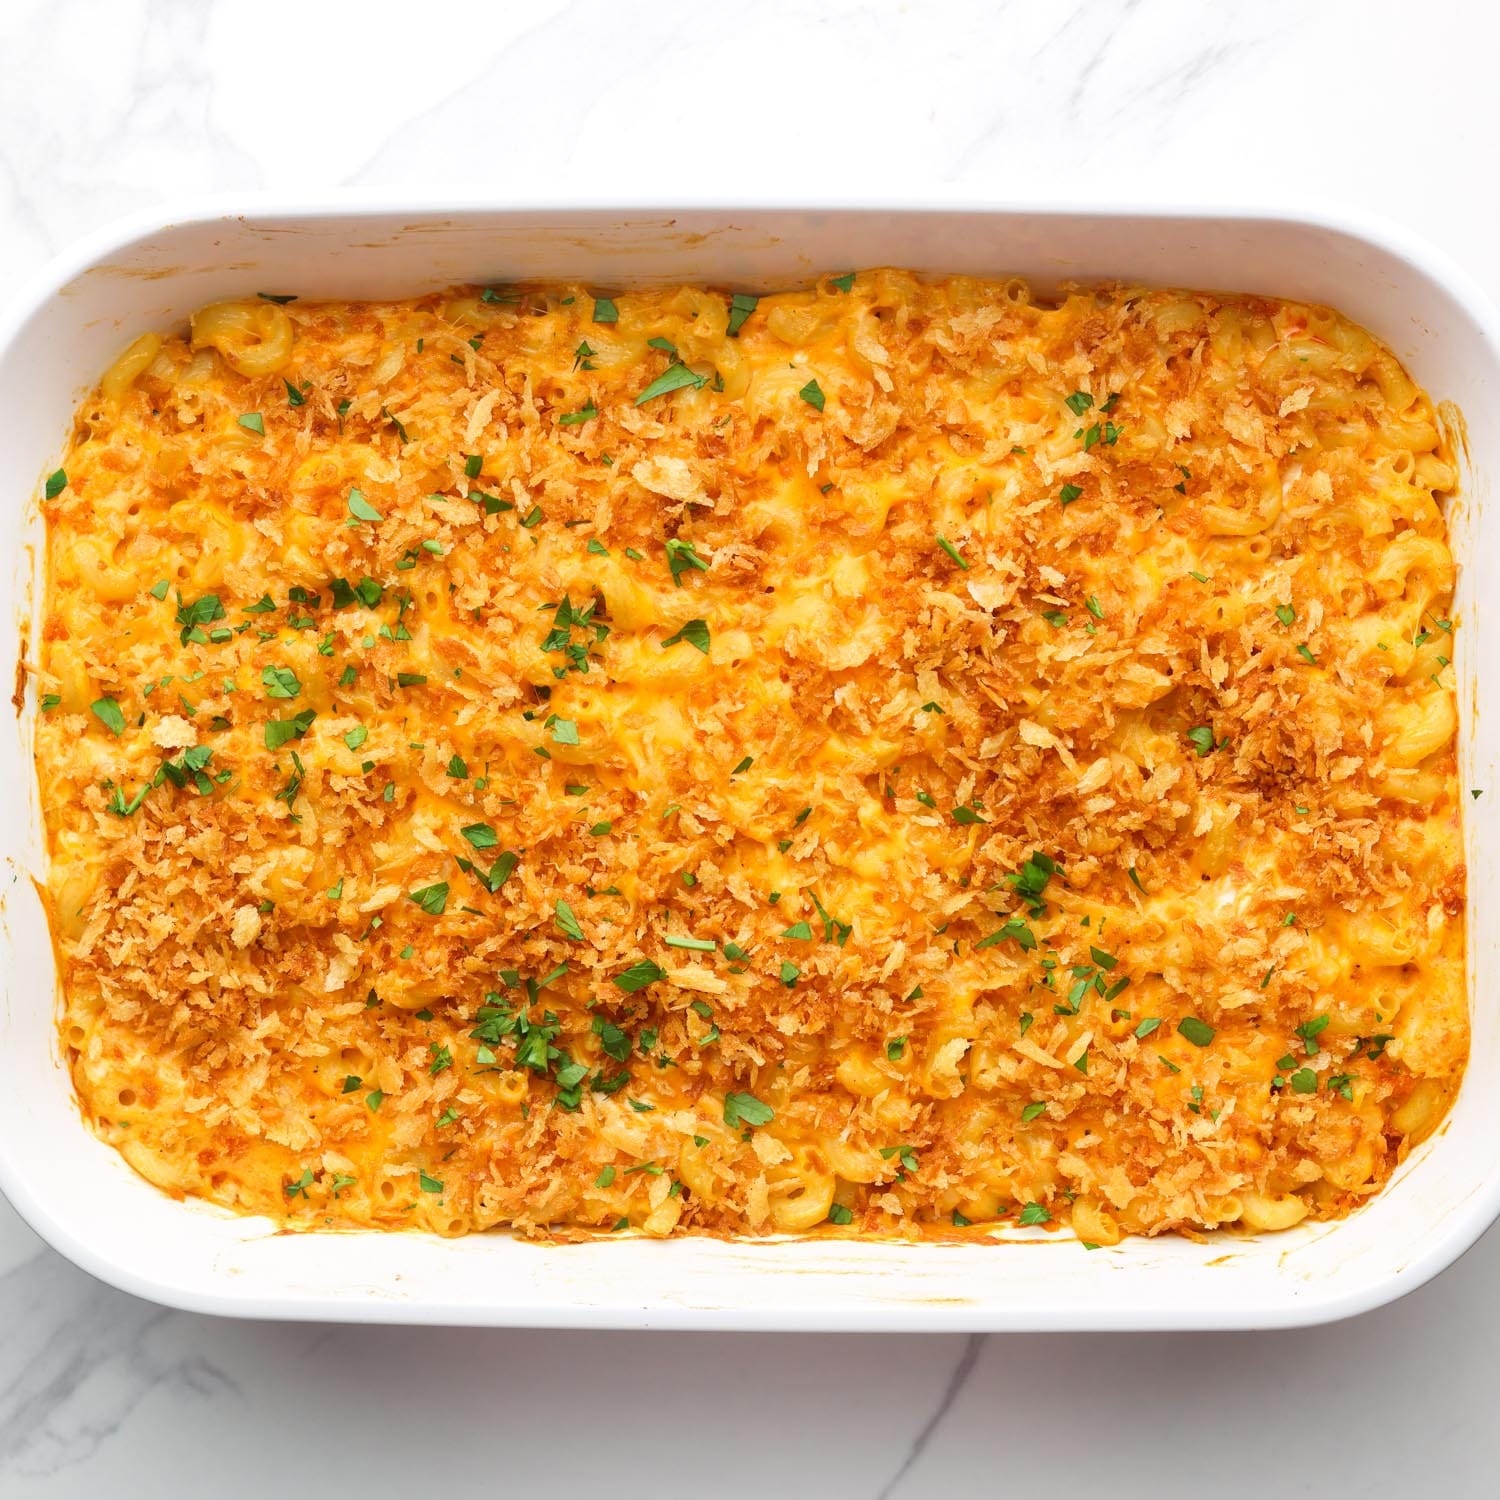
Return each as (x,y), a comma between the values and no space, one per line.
(110,105)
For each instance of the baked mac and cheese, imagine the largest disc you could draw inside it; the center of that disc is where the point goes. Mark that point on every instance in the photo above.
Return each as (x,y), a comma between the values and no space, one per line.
(902,755)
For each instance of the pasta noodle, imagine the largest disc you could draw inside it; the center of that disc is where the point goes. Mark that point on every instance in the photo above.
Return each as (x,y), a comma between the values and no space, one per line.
(895,757)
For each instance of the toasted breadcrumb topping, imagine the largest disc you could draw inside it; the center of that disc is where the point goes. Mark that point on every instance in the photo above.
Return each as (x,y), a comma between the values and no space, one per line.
(895,756)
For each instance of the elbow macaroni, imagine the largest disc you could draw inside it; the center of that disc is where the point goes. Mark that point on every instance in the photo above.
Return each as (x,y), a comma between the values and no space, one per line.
(897,756)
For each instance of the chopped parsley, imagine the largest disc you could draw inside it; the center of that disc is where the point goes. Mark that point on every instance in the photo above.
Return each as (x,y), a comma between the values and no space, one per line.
(281,731)
(433,899)
(567,922)
(193,617)
(565,619)
(1309,1032)
(691,944)
(1030,881)
(109,714)
(682,556)
(613,1041)
(673,378)
(695,633)
(361,509)
(746,1109)
(741,305)
(639,975)
(499,872)
(1199,1033)
(1014,928)
(1201,738)
(953,552)
(280,682)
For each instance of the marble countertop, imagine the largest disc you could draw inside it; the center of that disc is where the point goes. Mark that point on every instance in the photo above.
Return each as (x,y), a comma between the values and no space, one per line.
(111,105)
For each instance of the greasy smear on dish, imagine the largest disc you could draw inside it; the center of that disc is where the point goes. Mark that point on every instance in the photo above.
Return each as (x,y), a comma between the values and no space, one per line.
(871,759)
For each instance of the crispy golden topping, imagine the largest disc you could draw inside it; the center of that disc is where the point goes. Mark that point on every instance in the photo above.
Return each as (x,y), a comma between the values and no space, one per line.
(897,755)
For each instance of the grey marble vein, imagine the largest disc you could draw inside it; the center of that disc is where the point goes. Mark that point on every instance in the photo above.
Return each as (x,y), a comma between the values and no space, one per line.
(79,1358)
(956,1381)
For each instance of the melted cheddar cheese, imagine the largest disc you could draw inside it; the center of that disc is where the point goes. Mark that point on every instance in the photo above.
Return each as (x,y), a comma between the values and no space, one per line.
(896,755)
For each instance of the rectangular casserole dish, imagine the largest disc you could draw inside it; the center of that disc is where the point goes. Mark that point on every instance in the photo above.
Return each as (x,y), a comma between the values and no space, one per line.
(81,1195)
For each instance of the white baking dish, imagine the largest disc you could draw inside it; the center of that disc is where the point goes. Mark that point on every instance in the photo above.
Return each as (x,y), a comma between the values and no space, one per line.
(80,1195)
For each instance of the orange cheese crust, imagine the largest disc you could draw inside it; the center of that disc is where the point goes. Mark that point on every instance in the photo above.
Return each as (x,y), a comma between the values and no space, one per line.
(891,756)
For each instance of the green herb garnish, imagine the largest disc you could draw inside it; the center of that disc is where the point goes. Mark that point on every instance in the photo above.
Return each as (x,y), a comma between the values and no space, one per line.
(433,899)
(695,633)
(746,1109)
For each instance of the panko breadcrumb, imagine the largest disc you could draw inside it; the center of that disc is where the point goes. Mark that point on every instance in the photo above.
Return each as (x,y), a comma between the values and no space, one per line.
(897,757)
